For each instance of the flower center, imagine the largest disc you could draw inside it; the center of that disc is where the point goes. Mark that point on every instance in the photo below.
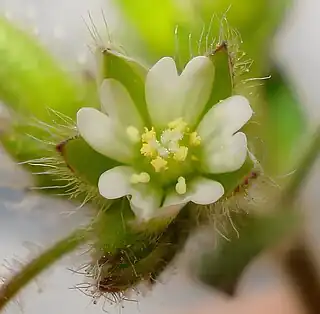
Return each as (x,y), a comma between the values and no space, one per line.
(172,144)
(169,152)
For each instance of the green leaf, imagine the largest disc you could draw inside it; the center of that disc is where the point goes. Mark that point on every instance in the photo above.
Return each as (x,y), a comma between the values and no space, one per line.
(222,268)
(285,125)
(127,71)
(170,29)
(31,82)
(138,255)
(155,22)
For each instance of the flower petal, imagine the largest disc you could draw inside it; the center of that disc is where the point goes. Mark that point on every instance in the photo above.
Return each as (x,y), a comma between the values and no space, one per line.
(200,191)
(144,199)
(196,86)
(115,183)
(161,92)
(225,154)
(99,131)
(170,96)
(118,104)
(145,202)
(225,118)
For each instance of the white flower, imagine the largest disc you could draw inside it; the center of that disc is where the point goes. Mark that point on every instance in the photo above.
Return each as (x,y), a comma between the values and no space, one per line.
(166,163)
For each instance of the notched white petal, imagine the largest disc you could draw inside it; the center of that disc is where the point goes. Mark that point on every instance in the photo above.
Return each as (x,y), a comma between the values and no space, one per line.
(99,131)
(226,155)
(118,104)
(145,202)
(161,92)
(200,191)
(144,199)
(115,183)
(196,87)
(170,96)
(225,118)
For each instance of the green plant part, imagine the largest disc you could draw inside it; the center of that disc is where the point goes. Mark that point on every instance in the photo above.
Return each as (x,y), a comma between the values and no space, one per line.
(167,144)
(285,126)
(42,98)
(139,261)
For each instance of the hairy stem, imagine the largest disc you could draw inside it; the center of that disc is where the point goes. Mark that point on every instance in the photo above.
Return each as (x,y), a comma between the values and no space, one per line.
(10,288)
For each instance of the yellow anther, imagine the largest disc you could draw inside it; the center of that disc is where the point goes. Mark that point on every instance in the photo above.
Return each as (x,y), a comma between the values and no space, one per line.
(178,124)
(143,177)
(194,139)
(181,154)
(159,164)
(147,150)
(181,186)
(133,134)
(148,135)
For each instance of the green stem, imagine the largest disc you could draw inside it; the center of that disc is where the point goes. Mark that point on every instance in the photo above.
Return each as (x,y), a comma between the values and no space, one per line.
(291,191)
(298,261)
(36,266)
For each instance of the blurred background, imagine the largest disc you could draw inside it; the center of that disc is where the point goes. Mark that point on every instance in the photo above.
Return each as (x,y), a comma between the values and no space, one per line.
(29,222)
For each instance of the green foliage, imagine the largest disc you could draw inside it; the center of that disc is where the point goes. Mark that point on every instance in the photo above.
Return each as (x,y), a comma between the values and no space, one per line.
(201,22)
(30,80)
(34,85)
(222,268)
(285,124)
(155,22)
(255,21)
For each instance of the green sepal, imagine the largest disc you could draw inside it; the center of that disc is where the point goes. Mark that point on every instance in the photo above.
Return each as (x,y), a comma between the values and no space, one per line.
(129,231)
(127,255)
(112,227)
(223,83)
(85,162)
(130,73)
(232,180)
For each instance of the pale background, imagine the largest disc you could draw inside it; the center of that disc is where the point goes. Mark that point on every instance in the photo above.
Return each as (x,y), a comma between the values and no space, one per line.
(27,223)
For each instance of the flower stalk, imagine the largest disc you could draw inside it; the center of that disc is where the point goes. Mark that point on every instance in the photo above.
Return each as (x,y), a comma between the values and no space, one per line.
(13,286)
